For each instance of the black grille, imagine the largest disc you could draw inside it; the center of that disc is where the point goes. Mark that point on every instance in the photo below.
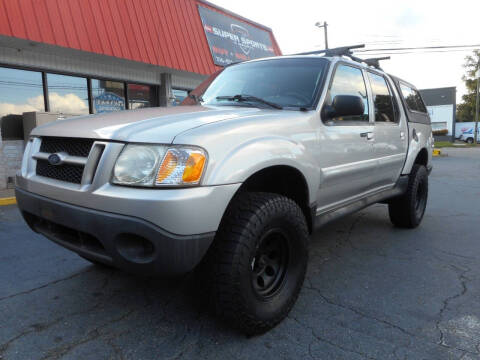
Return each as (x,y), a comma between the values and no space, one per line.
(72,146)
(76,240)
(65,172)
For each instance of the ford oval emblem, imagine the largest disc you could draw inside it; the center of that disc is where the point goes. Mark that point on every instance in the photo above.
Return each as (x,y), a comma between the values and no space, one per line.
(54,159)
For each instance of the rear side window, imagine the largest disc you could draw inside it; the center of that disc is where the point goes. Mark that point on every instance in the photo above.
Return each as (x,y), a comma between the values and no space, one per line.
(412,98)
(349,80)
(382,99)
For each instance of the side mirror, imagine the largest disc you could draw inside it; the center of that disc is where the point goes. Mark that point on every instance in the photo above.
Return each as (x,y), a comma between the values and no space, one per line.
(344,105)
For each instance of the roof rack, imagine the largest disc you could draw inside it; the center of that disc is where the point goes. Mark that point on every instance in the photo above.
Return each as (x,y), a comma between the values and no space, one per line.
(375,62)
(339,51)
(347,51)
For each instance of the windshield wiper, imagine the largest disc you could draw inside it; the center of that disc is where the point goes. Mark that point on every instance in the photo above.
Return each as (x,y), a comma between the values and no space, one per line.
(249,98)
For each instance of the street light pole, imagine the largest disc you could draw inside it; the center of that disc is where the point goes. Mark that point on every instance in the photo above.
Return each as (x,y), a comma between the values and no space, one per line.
(324,25)
(477,75)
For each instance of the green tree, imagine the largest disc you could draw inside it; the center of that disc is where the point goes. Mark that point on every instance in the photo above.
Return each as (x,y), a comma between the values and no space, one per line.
(466,109)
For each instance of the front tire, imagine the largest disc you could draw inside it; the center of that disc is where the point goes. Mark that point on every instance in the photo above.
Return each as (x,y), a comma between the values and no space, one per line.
(407,210)
(470,140)
(259,261)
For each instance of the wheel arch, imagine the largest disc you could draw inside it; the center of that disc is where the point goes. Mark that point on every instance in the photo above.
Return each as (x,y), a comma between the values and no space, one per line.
(283,180)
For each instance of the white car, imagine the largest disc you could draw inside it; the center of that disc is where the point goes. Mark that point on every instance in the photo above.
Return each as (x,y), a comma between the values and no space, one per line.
(468,136)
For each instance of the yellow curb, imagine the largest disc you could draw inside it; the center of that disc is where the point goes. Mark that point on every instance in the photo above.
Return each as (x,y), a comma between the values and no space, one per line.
(8,201)
(437,152)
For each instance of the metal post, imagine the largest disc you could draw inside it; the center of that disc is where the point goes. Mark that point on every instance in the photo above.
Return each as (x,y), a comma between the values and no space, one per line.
(324,26)
(165,90)
(477,73)
(325,32)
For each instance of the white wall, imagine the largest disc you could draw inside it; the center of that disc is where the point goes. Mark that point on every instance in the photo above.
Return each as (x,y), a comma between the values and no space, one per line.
(442,114)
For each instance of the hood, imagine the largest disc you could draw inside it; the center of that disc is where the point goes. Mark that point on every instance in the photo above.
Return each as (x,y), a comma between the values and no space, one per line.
(154,125)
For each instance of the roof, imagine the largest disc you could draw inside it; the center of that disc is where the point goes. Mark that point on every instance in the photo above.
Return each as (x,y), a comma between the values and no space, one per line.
(439,96)
(159,32)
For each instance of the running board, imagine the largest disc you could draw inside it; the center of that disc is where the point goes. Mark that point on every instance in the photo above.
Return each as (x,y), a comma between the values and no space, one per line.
(330,215)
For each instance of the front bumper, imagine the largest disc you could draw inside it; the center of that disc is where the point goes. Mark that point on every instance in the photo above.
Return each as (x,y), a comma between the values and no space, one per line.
(127,242)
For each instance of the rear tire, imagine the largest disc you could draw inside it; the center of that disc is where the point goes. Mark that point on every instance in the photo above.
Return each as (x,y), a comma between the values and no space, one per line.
(407,210)
(259,259)
(470,140)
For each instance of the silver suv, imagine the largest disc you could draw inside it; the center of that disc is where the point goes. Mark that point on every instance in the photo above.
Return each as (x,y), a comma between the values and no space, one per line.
(233,185)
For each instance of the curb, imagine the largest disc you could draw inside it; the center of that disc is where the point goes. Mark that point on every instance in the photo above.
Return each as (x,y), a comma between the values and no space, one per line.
(8,201)
(437,152)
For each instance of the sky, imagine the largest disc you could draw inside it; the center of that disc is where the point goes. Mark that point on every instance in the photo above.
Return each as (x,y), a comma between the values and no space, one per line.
(378,24)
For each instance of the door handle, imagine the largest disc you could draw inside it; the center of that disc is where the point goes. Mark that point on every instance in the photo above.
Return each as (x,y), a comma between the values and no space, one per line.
(368,135)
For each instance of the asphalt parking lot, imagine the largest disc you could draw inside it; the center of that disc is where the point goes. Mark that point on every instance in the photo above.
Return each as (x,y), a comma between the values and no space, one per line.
(372,292)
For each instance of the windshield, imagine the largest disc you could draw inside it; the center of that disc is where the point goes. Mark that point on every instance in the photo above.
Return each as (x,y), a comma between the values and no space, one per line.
(282,82)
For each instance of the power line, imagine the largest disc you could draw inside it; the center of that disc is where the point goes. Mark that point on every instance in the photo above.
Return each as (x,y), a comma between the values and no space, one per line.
(420,48)
(420,52)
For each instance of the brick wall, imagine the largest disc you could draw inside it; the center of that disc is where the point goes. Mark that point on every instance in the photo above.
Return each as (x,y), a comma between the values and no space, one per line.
(11,152)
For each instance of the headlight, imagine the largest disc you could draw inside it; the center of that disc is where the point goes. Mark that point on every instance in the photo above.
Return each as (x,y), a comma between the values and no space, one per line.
(149,165)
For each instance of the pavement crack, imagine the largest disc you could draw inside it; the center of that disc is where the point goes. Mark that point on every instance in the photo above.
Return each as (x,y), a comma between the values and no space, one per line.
(45,285)
(360,313)
(61,351)
(329,342)
(463,282)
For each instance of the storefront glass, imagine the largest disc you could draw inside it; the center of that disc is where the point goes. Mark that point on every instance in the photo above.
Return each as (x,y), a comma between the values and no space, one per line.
(67,94)
(179,96)
(141,96)
(20,91)
(107,96)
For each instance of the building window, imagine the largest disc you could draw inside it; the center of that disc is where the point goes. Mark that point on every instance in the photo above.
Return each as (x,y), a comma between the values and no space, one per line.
(179,95)
(67,94)
(108,96)
(141,96)
(20,91)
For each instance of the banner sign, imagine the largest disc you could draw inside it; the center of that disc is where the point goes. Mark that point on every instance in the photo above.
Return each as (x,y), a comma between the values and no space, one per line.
(232,40)
(108,102)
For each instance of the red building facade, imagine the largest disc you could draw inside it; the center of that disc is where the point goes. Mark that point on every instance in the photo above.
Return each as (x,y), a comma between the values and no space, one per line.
(62,58)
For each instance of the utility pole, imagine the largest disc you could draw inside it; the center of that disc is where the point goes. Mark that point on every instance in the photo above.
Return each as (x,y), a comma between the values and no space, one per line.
(477,75)
(324,25)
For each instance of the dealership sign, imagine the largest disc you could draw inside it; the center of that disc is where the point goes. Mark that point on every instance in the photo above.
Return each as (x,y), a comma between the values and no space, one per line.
(108,102)
(231,40)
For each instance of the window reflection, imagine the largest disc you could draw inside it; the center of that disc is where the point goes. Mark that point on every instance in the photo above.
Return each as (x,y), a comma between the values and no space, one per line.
(107,96)
(381,99)
(413,99)
(349,81)
(20,91)
(179,96)
(140,96)
(67,94)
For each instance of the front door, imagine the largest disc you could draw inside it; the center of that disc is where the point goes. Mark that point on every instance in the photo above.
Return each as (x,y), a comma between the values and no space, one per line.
(345,145)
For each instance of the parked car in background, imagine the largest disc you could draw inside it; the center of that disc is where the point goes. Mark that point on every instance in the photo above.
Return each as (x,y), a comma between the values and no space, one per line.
(468,136)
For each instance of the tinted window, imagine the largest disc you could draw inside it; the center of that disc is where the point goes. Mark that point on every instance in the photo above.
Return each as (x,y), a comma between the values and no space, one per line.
(141,96)
(349,81)
(412,98)
(382,99)
(20,91)
(287,82)
(67,94)
(107,96)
